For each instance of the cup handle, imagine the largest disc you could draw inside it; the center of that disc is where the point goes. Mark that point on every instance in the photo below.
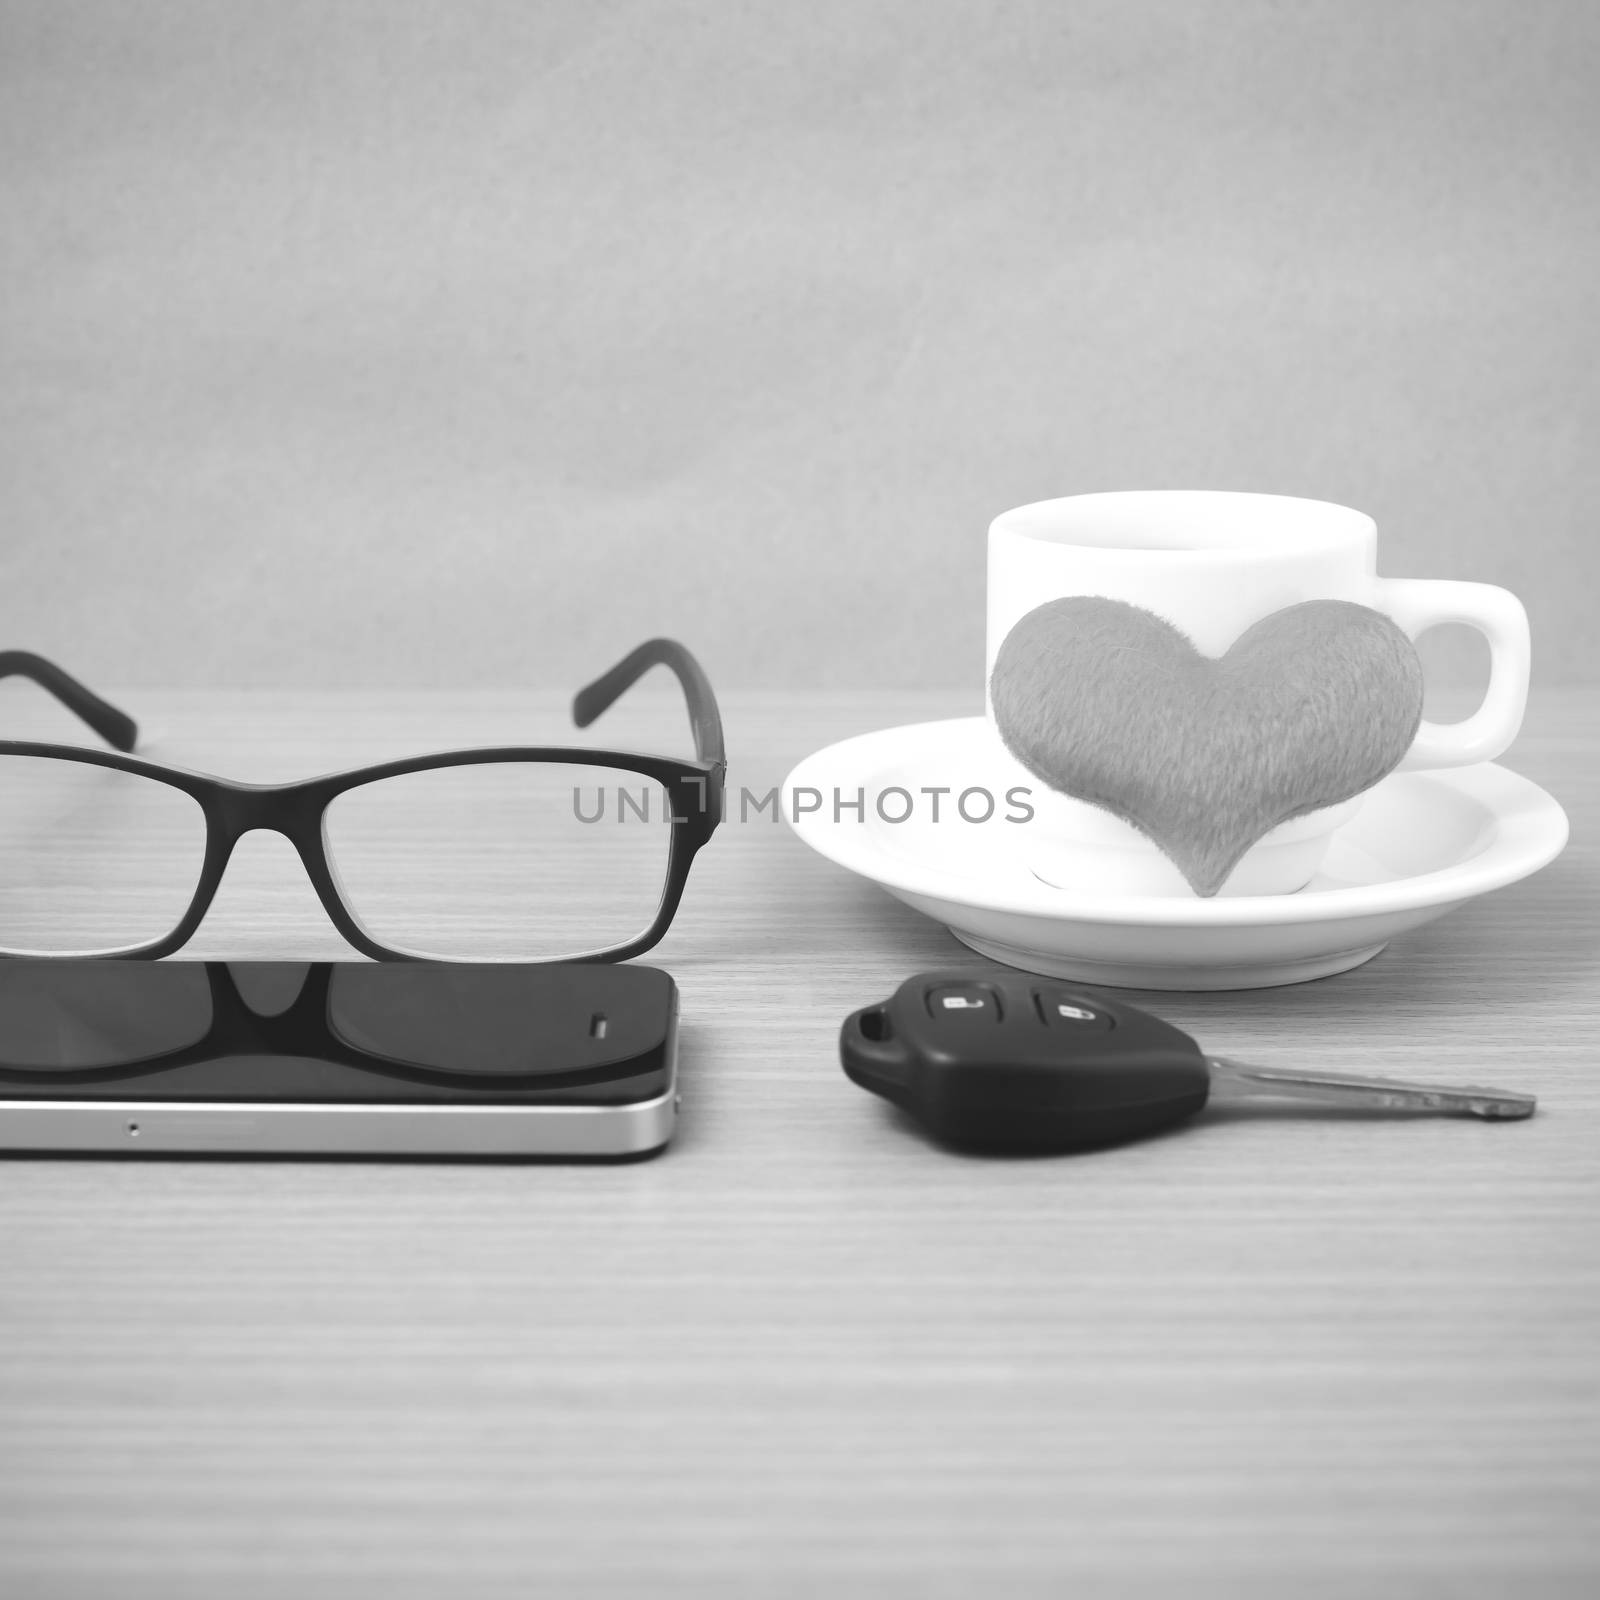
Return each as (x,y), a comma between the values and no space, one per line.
(1418,604)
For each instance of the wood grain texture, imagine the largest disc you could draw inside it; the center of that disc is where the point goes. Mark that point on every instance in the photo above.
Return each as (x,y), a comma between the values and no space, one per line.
(802,1352)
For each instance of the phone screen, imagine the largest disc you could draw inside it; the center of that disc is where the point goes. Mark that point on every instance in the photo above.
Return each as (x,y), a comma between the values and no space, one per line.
(335,1032)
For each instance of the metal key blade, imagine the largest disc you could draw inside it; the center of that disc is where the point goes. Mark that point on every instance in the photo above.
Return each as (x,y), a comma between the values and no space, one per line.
(1238,1080)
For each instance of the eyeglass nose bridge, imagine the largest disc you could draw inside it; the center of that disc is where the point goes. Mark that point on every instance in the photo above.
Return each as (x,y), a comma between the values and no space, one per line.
(293,810)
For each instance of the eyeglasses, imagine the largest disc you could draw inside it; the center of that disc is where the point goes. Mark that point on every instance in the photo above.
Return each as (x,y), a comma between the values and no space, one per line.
(521,853)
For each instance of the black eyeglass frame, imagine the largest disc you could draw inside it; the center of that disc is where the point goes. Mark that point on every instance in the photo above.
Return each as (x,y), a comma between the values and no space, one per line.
(694,791)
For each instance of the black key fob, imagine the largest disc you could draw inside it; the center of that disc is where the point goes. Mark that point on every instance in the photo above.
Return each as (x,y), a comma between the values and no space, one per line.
(1017,1063)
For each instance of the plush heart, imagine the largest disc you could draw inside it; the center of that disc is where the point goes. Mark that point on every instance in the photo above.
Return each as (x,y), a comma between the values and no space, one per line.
(1111,704)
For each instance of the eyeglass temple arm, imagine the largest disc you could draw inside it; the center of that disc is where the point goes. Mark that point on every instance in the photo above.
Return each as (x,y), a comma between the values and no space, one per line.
(117,728)
(610,686)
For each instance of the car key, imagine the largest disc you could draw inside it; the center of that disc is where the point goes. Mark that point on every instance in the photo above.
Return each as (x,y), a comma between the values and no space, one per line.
(1013,1062)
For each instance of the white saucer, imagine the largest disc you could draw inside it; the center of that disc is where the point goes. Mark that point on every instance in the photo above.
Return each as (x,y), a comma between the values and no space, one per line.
(1421,844)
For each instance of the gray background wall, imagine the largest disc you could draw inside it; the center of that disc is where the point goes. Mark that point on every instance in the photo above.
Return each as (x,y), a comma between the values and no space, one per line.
(466,343)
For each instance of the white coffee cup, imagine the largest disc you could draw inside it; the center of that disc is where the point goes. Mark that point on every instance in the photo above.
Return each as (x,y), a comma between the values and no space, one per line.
(1213,564)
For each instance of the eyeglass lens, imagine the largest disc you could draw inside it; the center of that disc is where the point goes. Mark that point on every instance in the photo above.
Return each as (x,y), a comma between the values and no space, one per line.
(518,860)
(93,860)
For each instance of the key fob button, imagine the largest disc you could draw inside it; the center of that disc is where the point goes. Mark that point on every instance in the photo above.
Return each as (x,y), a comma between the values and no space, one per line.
(963,1002)
(1061,1008)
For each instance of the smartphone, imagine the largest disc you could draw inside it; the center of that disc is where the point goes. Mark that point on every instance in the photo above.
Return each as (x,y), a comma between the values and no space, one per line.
(337,1058)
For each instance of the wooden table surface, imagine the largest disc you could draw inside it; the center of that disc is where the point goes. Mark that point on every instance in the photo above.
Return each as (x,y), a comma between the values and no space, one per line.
(803,1352)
